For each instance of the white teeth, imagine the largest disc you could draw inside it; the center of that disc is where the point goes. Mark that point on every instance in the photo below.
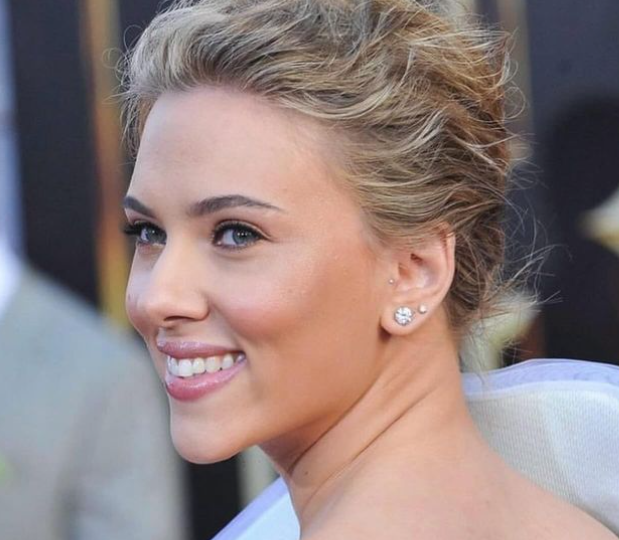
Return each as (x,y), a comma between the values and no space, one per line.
(187,368)
(227,362)
(213,364)
(199,366)
(173,366)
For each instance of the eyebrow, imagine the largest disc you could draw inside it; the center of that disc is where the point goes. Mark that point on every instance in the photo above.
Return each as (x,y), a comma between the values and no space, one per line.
(205,206)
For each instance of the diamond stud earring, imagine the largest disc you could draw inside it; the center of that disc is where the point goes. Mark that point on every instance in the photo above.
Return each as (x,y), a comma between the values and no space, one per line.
(403,316)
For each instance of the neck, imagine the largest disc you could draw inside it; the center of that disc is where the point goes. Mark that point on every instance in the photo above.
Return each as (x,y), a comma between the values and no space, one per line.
(416,404)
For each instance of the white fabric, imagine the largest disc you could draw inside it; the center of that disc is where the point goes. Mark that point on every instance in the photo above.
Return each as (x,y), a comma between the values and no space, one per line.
(9,274)
(556,421)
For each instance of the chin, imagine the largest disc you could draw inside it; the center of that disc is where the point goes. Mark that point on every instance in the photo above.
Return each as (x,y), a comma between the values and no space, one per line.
(201,446)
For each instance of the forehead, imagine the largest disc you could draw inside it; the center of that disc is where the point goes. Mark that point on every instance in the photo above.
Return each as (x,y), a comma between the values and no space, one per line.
(218,139)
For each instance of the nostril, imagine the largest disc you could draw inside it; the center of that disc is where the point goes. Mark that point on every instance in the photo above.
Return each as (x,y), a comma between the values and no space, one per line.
(159,311)
(175,318)
(167,292)
(169,309)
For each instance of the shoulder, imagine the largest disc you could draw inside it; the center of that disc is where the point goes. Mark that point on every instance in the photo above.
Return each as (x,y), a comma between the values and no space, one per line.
(563,521)
(549,529)
(515,511)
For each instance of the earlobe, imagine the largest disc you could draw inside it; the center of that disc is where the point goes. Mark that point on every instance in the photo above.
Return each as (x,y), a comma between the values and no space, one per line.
(404,317)
(422,279)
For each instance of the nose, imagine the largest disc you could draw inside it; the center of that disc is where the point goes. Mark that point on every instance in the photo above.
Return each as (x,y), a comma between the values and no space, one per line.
(173,289)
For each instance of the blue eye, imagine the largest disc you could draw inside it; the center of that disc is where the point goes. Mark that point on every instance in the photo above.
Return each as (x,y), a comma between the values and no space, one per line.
(235,235)
(145,233)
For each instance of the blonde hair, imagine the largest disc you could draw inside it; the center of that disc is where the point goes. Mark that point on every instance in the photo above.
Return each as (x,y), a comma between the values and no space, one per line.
(416,100)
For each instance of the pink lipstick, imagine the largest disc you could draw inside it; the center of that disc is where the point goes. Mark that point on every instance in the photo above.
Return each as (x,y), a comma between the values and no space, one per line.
(194,369)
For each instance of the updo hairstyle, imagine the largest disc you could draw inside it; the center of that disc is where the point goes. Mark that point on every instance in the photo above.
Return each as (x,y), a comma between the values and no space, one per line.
(414,99)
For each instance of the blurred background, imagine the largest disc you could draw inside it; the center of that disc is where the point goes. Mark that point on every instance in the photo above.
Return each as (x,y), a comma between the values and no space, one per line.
(63,172)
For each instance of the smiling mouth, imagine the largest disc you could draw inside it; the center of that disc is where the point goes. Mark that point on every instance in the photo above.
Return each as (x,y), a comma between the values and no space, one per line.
(189,367)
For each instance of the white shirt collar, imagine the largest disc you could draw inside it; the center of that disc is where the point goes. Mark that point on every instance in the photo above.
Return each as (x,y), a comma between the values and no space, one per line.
(10,270)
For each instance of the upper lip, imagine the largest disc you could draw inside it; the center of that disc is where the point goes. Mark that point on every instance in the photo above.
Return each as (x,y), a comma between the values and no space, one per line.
(192,349)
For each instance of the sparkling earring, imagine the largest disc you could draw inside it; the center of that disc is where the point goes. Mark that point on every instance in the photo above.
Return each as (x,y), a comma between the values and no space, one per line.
(423,309)
(403,316)
(391,281)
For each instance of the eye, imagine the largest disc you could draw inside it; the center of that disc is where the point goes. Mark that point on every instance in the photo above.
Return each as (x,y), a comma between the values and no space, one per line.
(145,233)
(234,235)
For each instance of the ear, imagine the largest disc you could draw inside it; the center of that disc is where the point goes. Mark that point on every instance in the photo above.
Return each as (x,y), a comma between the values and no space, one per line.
(420,280)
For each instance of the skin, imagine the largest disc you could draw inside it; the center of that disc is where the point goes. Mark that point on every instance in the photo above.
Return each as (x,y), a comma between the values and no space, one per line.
(365,419)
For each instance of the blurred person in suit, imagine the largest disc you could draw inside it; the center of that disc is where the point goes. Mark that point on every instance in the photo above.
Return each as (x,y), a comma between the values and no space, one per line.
(84,451)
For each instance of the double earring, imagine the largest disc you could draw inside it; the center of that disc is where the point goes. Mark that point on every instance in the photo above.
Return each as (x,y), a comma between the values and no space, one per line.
(405,315)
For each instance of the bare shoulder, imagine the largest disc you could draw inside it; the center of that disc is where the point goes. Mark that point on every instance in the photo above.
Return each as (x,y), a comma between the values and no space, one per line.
(546,517)
(573,528)
(500,506)
(595,531)
(573,525)
(541,518)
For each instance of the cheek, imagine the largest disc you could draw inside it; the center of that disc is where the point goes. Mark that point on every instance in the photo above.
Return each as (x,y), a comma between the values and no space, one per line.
(264,307)
(308,296)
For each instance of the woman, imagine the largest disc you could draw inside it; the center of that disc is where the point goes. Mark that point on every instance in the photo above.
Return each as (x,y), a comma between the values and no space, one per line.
(317,201)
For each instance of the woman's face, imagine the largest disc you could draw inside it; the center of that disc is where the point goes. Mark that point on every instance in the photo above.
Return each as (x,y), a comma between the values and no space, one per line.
(249,255)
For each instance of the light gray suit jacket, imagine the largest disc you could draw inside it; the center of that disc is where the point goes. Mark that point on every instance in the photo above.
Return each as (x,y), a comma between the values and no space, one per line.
(85,449)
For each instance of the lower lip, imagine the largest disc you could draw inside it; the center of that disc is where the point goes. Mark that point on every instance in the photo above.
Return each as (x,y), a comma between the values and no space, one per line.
(192,388)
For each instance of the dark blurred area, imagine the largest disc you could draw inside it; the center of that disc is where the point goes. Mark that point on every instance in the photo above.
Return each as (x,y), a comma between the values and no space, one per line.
(63,208)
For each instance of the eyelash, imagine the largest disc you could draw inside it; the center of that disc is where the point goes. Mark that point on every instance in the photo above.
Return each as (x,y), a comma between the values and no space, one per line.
(136,229)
